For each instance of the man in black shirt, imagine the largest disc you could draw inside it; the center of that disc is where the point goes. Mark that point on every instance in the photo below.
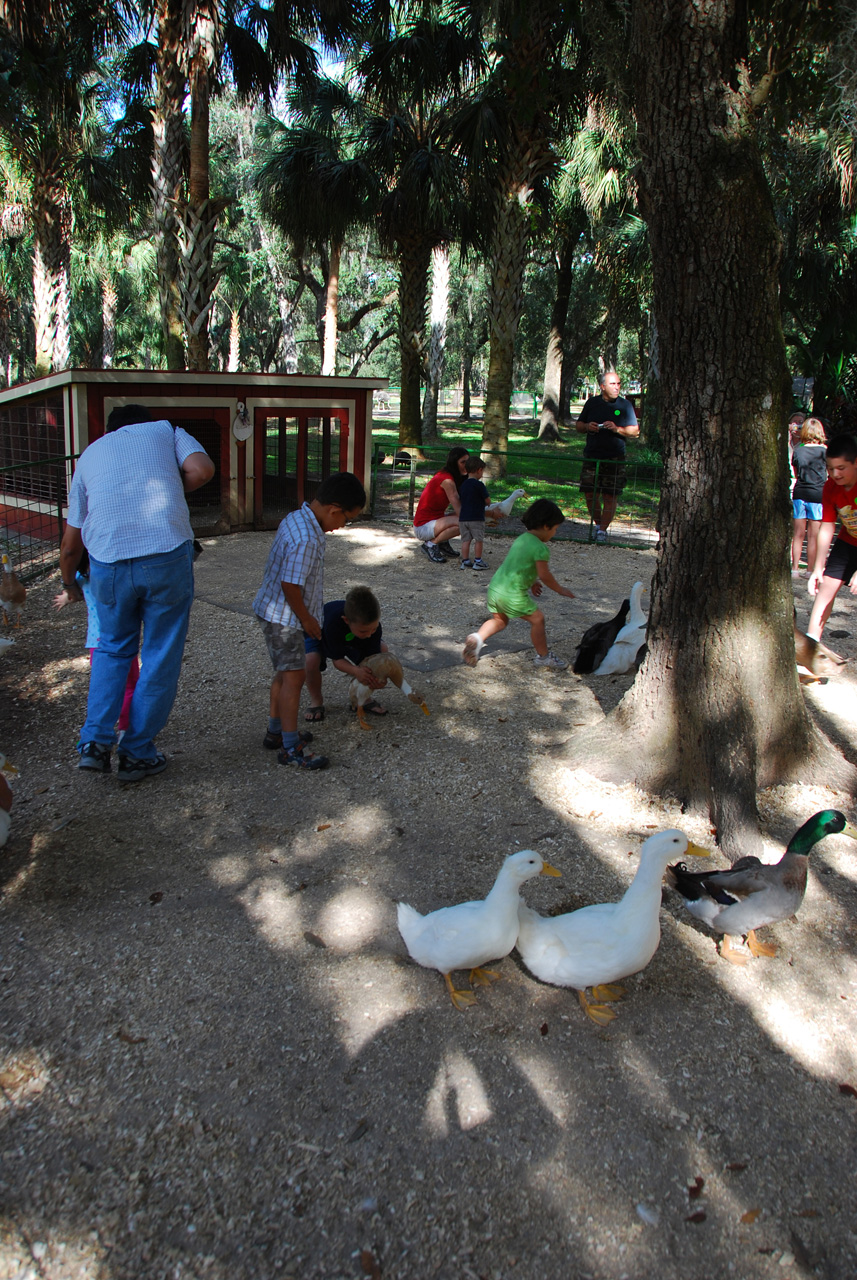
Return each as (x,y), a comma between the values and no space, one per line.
(608,421)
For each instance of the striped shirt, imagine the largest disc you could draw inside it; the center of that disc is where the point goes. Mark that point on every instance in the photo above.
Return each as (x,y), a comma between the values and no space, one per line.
(297,556)
(127,496)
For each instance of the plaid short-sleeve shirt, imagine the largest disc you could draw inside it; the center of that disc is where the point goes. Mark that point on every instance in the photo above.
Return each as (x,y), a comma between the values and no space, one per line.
(297,556)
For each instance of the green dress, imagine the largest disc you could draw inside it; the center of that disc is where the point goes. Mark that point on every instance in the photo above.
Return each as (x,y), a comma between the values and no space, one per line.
(509,589)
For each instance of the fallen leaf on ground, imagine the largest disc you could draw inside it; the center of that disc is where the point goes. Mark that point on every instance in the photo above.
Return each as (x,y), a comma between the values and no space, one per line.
(699,1216)
(736,1166)
(122,1034)
(360,1130)
(314,939)
(324,826)
(849,1089)
(544,1028)
(694,1191)
(369,1264)
(156,897)
(751,1215)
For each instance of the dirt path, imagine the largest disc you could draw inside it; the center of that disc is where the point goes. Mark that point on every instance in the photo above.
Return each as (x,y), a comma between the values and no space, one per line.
(218,1061)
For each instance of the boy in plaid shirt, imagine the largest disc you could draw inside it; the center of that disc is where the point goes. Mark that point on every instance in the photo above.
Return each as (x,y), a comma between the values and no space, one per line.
(288,606)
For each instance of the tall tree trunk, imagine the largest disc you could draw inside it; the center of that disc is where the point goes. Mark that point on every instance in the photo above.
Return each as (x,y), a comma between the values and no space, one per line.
(62,342)
(716,710)
(109,304)
(167,175)
(549,419)
(199,215)
(466,373)
(331,312)
(413,284)
(234,363)
(47,273)
(438,317)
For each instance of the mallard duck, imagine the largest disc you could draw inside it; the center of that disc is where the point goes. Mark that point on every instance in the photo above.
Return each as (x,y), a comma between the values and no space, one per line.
(740,899)
(622,655)
(597,640)
(13,593)
(386,667)
(466,936)
(594,946)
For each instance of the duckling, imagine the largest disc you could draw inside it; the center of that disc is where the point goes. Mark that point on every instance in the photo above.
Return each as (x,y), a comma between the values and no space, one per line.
(469,934)
(597,640)
(622,655)
(386,667)
(737,900)
(13,593)
(595,946)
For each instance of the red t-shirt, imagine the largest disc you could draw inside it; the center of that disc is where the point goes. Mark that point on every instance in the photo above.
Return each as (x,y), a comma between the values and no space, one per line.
(839,503)
(433,501)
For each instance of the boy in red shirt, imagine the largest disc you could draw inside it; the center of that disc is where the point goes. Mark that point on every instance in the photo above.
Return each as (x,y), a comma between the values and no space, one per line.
(838,500)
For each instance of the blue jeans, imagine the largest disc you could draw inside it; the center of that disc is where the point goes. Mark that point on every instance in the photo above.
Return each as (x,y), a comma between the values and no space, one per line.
(153,593)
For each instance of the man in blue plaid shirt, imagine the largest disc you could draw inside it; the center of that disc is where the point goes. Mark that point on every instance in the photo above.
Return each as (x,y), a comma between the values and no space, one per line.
(127,506)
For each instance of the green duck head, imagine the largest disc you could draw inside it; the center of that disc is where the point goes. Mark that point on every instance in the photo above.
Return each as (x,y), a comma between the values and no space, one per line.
(826,822)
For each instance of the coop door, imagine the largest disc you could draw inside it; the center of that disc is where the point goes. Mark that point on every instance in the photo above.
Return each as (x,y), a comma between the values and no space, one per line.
(300,449)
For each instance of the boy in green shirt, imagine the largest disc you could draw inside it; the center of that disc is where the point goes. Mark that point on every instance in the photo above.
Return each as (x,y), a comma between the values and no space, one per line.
(525,569)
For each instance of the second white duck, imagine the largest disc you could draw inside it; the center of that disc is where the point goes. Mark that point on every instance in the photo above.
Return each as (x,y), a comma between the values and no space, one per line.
(597,945)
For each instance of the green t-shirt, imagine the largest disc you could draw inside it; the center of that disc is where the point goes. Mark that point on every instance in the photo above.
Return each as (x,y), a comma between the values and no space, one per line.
(509,590)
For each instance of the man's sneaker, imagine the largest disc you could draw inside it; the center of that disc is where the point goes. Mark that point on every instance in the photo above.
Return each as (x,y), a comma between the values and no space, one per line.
(95,757)
(466,564)
(551,661)
(446,550)
(479,565)
(274,741)
(601,536)
(432,552)
(300,759)
(133,770)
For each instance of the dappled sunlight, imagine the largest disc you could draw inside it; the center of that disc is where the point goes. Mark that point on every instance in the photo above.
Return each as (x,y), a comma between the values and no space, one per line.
(549,1085)
(51,1251)
(352,919)
(274,911)
(365,822)
(365,996)
(372,547)
(231,871)
(457,1096)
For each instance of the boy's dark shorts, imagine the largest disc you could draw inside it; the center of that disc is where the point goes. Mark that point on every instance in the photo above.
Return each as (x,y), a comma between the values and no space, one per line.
(842,561)
(611,477)
(311,645)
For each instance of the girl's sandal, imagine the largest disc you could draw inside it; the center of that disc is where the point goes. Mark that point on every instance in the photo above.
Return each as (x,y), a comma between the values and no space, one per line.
(314,715)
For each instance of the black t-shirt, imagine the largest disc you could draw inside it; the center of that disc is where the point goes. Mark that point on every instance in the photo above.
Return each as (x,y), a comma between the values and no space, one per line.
(810,467)
(338,640)
(604,444)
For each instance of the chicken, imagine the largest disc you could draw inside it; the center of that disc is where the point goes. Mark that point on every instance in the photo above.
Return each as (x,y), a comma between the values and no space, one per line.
(814,659)
(5,799)
(499,510)
(386,667)
(13,593)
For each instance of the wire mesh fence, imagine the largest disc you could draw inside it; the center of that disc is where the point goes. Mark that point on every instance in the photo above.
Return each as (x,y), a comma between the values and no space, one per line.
(33,496)
(398,480)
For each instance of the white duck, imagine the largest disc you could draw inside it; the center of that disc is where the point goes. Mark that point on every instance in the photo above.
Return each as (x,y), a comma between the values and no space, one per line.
(597,945)
(466,936)
(498,510)
(622,654)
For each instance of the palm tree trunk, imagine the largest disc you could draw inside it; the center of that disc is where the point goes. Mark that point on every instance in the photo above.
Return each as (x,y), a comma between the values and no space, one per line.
(109,302)
(47,270)
(437,342)
(413,284)
(550,415)
(167,175)
(508,261)
(331,312)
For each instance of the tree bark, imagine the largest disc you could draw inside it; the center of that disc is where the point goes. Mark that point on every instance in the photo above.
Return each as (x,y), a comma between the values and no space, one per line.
(716,710)
(331,312)
(437,341)
(549,419)
(109,307)
(413,285)
(167,175)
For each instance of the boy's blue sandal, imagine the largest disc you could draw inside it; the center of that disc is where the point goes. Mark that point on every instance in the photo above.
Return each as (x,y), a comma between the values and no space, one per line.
(298,759)
(274,741)
(133,770)
(94,757)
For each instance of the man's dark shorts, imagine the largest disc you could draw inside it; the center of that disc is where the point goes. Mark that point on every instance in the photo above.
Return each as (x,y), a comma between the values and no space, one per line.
(611,477)
(842,561)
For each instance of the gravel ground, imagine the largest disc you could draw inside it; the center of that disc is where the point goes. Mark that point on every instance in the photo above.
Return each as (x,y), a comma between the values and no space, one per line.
(217,1059)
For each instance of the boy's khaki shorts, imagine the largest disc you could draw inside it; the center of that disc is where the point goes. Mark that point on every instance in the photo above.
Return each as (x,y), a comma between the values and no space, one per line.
(285,645)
